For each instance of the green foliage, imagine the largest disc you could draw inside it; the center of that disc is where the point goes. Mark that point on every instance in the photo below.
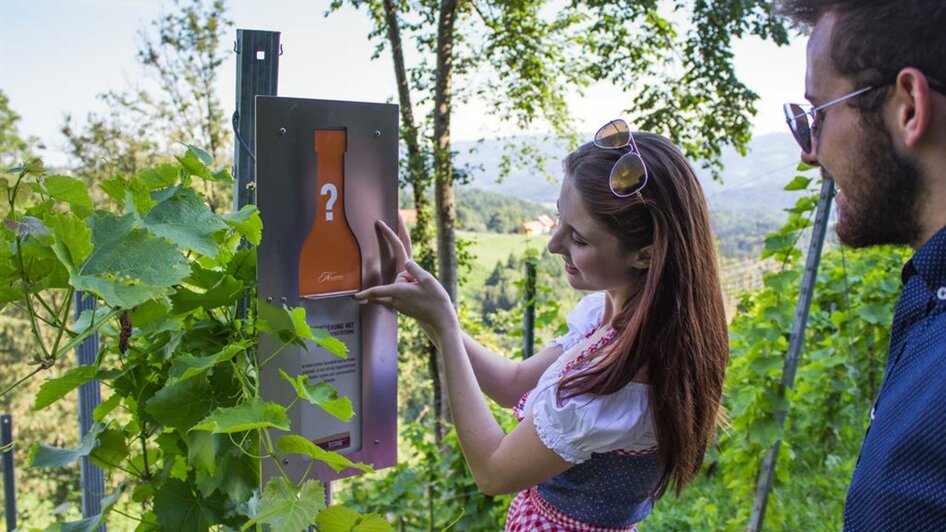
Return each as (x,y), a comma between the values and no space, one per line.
(293,444)
(46,456)
(828,407)
(13,147)
(502,298)
(182,51)
(183,424)
(341,519)
(741,234)
(430,488)
(480,211)
(286,508)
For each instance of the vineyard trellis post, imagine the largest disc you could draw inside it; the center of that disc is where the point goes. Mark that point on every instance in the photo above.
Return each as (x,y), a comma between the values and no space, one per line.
(93,478)
(795,343)
(257,75)
(528,322)
(9,478)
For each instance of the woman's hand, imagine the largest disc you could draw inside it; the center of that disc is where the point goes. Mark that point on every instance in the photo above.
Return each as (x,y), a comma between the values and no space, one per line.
(414,292)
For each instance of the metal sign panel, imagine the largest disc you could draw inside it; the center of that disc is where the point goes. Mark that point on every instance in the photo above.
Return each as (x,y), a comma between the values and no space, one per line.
(326,171)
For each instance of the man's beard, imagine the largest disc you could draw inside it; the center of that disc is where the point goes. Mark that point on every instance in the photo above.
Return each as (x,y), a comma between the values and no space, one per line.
(881,197)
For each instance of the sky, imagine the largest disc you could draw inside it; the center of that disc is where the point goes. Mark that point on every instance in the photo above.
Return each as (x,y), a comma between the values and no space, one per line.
(57,55)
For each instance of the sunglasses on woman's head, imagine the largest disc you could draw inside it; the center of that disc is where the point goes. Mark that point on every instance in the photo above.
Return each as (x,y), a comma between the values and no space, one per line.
(629,173)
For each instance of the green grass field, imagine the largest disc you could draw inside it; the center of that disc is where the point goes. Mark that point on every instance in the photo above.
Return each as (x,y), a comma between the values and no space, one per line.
(490,248)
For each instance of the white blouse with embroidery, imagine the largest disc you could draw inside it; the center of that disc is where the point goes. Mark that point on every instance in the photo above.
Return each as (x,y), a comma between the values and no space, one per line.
(579,426)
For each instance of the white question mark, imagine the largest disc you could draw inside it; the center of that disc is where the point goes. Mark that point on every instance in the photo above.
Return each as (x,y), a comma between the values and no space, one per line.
(329,189)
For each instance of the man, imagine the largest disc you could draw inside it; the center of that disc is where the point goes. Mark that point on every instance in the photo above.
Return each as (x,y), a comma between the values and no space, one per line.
(877,78)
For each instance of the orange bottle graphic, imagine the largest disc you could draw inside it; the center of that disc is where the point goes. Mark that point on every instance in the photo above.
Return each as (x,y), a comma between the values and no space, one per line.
(330,262)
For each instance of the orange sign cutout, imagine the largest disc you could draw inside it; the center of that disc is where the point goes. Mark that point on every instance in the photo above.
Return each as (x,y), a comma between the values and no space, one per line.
(330,262)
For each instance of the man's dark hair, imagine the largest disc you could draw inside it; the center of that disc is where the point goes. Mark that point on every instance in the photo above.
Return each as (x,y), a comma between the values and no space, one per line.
(873,40)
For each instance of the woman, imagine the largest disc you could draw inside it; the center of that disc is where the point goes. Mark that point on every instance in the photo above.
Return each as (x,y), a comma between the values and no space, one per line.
(622,407)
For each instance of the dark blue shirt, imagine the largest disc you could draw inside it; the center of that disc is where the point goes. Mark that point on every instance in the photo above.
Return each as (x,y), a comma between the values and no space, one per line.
(900,479)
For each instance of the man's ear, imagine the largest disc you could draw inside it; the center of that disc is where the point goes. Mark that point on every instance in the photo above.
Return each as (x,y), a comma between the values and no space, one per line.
(914,105)
(640,259)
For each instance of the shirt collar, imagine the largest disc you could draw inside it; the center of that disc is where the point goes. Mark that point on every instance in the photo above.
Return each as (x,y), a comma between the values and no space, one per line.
(929,262)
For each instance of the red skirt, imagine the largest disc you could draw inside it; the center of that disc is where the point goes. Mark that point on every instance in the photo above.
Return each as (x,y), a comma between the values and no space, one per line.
(529,512)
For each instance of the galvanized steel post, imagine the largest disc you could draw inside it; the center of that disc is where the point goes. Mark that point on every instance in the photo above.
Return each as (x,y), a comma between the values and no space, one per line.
(257,75)
(9,478)
(795,342)
(93,478)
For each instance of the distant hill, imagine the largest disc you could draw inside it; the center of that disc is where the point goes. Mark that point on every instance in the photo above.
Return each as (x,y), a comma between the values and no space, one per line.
(750,183)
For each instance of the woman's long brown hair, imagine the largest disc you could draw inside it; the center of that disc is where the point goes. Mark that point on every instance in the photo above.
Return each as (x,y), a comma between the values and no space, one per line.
(673,326)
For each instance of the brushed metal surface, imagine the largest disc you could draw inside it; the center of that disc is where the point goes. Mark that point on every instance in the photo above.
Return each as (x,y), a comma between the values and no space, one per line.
(286,188)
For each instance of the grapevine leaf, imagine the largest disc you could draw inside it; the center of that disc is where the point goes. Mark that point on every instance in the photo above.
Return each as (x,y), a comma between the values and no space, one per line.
(72,239)
(201,154)
(286,509)
(227,291)
(69,190)
(32,166)
(182,404)
(290,325)
(247,222)
(187,366)
(322,394)
(87,318)
(202,448)
(186,220)
(253,414)
(179,508)
(316,334)
(180,468)
(55,389)
(45,456)
(799,183)
(161,176)
(128,265)
(237,474)
(294,444)
(195,164)
(115,188)
(105,407)
(341,519)
(875,313)
(92,523)
(111,449)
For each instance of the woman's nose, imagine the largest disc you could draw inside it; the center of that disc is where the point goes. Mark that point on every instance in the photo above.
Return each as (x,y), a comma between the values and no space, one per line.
(554,246)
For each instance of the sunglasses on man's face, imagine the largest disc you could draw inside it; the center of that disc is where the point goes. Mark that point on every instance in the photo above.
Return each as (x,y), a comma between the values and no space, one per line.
(804,119)
(629,173)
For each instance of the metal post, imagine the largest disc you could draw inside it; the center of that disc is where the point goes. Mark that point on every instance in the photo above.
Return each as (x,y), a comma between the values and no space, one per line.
(9,479)
(93,478)
(257,75)
(528,318)
(796,339)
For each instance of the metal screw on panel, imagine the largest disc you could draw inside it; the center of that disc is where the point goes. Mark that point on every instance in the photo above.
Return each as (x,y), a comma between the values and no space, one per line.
(269,300)
(377,442)
(251,185)
(285,461)
(283,300)
(282,131)
(377,133)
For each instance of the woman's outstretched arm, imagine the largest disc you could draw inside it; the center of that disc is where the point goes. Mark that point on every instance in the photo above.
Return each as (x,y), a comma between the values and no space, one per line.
(505,380)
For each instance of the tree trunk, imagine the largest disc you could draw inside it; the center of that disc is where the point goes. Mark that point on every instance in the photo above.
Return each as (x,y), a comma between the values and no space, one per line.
(422,234)
(443,164)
